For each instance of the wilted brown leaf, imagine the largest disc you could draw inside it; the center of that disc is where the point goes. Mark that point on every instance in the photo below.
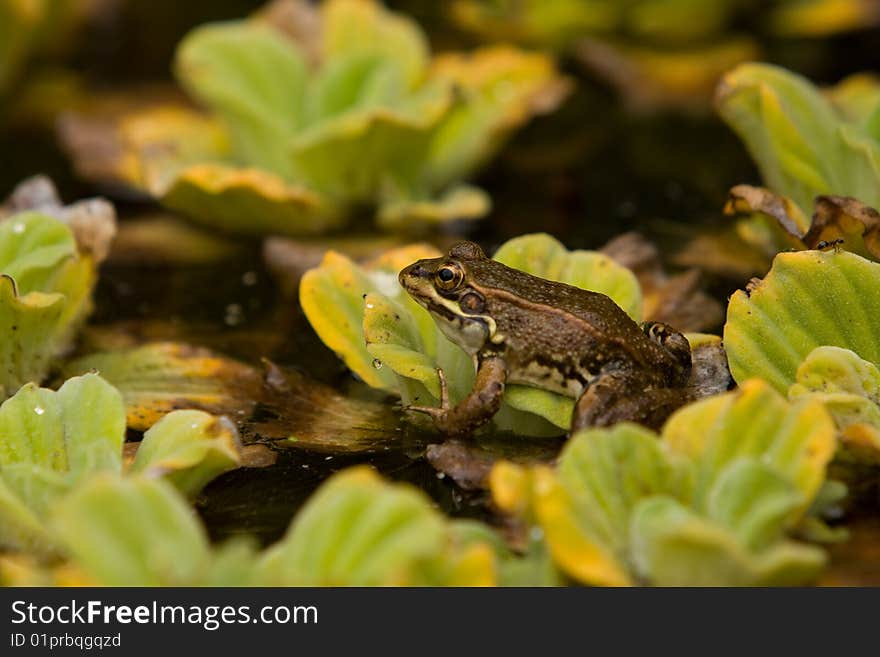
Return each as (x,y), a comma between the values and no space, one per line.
(299,412)
(746,199)
(469,463)
(158,378)
(835,218)
(723,252)
(676,300)
(841,217)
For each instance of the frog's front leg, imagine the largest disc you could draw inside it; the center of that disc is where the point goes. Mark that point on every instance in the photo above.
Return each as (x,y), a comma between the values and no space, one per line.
(614,397)
(481,403)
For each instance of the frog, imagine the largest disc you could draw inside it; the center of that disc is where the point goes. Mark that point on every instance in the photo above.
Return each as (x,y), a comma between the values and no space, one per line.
(523,329)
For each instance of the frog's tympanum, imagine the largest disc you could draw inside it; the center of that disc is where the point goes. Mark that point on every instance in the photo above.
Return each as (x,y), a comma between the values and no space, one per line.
(527,330)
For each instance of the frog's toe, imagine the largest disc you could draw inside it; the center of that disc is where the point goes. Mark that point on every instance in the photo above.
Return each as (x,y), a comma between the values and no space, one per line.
(433,411)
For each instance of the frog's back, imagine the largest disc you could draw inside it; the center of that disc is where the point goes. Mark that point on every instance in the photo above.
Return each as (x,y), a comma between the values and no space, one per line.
(598,314)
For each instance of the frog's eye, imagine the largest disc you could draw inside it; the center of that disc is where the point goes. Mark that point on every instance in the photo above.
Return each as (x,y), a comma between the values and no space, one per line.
(448,277)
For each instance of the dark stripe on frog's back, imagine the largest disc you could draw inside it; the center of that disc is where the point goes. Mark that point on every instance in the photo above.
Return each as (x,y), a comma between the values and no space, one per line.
(590,314)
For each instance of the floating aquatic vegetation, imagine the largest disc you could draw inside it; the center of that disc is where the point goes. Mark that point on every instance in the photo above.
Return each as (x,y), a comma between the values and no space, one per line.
(660,53)
(808,329)
(158,378)
(138,531)
(776,224)
(709,503)
(672,22)
(27,28)
(808,299)
(51,442)
(49,257)
(359,531)
(364,117)
(356,530)
(45,293)
(849,387)
(804,146)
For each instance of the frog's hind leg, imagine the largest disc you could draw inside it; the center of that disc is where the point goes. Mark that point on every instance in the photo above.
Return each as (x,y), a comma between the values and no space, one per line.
(613,397)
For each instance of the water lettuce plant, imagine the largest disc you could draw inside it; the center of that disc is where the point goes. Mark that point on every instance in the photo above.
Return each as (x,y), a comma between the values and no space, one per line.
(807,144)
(391,343)
(708,502)
(34,26)
(666,21)
(659,53)
(306,131)
(52,442)
(356,530)
(46,281)
(808,328)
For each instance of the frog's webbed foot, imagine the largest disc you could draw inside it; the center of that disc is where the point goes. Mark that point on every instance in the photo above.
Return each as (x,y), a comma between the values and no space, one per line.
(435,411)
(614,397)
(476,408)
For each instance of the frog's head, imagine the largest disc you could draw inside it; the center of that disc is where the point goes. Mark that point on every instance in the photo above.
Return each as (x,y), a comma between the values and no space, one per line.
(443,286)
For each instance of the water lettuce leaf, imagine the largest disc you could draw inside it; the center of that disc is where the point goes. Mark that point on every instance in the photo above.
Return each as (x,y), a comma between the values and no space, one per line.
(803,146)
(808,299)
(45,293)
(849,387)
(189,448)
(52,442)
(49,442)
(709,502)
(359,531)
(302,132)
(356,530)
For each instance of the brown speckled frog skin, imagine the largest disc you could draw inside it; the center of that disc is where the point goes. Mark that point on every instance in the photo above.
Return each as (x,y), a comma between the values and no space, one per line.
(527,330)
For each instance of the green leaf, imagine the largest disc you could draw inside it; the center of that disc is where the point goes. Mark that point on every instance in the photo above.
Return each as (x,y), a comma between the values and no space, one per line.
(796,439)
(498,88)
(849,387)
(374,149)
(807,300)
(189,448)
(354,27)
(132,531)
(457,203)
(857,99)
(802,146)
(359,531)
(731,503)
(45,289)
(235,69)
(357,125)
(607,472)
(709,503)
(49,442)
(675,547)
(249,201)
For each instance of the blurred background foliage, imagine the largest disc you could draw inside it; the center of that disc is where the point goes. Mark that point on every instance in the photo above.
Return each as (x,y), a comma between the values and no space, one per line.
(596,167)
